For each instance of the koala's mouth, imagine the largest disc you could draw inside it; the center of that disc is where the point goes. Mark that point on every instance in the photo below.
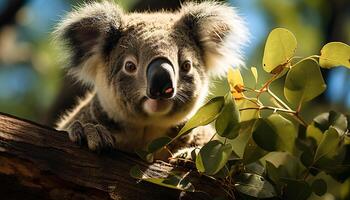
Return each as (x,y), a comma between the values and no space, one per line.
(157,106)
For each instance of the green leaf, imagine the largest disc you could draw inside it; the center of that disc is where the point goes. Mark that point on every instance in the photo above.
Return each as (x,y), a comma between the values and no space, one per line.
(255,73)
(282,73)
(335,54)
(239,143)
(145,155)
(329,144)
(158,143)
(303,83)
(307,158)
(333,161)
(173,181)
(213,156)
(136,172)
(279,49)
(275,133)
(255,168)
(247,115)
(332,118)
(317,134)
(319,187)
(235,82)
(272,172)
(344,189)
(288,166)
(223,173)
(227,124)
(206,114)
(262,135)
(244,144)
(254,185)
(348,119)
(296,190)
(252,152)
(234,77)
(281,166)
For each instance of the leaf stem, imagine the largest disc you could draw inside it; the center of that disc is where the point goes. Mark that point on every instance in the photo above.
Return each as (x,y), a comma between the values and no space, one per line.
(307,58)
(278,99)
(269,108)
(301,120)
(266,85)
(275,109)
(212,137)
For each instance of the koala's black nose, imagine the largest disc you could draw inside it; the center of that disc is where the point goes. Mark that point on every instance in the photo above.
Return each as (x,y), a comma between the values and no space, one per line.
(160,79)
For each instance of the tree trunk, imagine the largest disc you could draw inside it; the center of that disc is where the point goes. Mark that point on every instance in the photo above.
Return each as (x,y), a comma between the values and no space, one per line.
(37,162)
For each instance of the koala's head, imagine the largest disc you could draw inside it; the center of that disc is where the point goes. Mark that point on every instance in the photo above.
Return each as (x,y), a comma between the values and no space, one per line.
(151,67)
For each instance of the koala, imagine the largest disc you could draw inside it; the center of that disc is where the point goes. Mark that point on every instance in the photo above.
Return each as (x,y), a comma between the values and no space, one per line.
(149,71)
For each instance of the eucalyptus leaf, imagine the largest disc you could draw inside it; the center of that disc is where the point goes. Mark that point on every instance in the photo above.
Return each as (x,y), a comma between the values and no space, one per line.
(296,190)
(315,133)
(247,115)
(136,172)
(245,146)
(245,133)
(278,173)
(173,181)
(254,185)
(252,152)
(275,133)
(158,143)
(234,77)
(212,157)
(331,153)
(206,114)
(255,168)
(236,83)
(255,73)
(328,145)
(319,187)
(303,83)
(288,166)
(227,124)
(262,135)
(307,158)
(145,155)
(272,172)
(335,54)
(331,118)
(334,162)
(279,49)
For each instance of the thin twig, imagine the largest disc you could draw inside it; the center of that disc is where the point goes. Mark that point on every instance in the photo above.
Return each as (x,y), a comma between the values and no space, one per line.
(301,120)
(278,99)
(307,58)
(269,108)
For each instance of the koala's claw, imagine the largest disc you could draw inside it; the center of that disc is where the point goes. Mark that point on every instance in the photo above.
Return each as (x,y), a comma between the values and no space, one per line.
(76,132)
(97,137)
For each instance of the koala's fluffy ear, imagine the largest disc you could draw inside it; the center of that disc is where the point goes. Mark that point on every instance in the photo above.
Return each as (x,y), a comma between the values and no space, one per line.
(219,31)
(88,33)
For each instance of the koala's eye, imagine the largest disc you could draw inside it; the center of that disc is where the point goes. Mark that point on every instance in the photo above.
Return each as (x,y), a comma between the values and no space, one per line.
(186,66)
(130,67)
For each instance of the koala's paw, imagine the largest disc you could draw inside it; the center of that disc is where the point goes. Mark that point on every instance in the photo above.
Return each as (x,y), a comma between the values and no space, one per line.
(97,137)
(185,157)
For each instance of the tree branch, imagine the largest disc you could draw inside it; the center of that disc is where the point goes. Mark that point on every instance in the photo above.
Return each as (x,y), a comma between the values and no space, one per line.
(37,162)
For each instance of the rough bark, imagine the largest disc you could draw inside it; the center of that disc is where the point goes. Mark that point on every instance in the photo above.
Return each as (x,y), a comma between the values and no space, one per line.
(37,162)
